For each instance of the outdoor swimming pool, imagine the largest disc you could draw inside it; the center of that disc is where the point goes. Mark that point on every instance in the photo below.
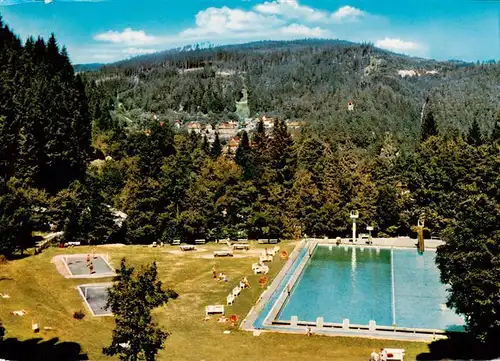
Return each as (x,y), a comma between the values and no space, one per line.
(78,267)
(390,286)
(96,297)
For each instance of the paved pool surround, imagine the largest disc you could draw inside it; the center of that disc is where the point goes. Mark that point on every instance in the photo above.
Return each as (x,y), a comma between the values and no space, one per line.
(357,290)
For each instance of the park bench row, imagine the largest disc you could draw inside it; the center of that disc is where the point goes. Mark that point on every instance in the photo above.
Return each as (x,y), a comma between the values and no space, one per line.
(177,242)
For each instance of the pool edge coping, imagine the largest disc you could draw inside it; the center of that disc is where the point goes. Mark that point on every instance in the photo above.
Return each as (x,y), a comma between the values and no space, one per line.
(248,322)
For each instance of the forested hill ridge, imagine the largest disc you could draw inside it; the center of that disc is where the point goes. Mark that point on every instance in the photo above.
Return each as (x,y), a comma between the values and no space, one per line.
(311,81)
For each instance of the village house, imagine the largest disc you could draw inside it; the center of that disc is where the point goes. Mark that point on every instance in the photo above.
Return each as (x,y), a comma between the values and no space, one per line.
(268,122)
(197,127)
(227,130)
(232,145)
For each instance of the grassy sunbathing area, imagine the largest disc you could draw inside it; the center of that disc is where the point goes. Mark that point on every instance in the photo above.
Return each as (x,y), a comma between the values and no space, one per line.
(34,285)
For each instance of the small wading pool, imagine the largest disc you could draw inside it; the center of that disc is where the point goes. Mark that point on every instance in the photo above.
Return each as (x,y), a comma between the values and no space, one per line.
(390,286)
(78,266)
(96,296)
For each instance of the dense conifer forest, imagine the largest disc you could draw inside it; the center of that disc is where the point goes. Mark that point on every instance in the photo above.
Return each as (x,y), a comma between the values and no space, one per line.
(403,152)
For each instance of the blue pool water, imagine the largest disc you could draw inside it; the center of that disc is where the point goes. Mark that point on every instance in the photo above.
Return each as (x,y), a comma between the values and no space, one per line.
(389,286)
(286,278)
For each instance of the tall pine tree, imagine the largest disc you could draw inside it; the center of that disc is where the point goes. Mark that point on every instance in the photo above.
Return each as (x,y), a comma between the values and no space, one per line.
(243,156)
(10,82)
(475,137)
(205,145)
(216,150)
(259,139)
(495,134)
(280,151)
(429,128)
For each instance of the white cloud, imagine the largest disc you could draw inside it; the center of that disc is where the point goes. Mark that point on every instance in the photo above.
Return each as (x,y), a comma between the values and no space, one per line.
(126,37)
(270,20)
(137,51)
(398,45)
(347,13)
(305,31)
(221,21)
(292,9)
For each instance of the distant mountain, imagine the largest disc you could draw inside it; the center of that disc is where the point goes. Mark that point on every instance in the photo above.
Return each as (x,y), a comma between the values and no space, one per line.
(311,80)
(87,67)
(207,49)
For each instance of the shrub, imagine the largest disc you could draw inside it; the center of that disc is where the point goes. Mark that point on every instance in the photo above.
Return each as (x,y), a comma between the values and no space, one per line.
(78,315)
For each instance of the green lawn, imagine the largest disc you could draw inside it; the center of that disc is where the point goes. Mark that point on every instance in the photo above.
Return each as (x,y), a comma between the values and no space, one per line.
(35,285)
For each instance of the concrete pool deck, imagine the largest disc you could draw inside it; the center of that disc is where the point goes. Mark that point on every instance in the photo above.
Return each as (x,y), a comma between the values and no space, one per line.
(263,316)
(399,242)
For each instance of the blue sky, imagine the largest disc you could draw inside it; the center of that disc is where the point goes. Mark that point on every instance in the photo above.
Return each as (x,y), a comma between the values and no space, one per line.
(110,30)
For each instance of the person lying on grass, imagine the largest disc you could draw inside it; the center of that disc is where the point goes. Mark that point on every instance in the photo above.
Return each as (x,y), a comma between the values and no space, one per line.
(244,283)
(223,277)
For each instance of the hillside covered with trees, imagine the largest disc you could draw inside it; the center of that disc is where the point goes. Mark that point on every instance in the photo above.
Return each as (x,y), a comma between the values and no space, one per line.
(310,80)
(74,149)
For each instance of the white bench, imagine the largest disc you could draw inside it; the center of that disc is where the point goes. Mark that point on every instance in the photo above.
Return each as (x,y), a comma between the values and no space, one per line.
(72,244)
(268,240)
(230,299)
(268,258)
(261,269)
(187,247)
(176,242)
(395,354)
(199,241)
(213,309)
(236,291)
(244,246)
(223,253)
(271,251)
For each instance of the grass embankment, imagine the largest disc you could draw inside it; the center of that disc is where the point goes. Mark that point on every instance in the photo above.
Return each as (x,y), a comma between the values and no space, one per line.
(35,285)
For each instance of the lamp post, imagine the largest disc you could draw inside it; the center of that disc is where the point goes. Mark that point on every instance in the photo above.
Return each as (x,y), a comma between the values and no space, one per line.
(354,215)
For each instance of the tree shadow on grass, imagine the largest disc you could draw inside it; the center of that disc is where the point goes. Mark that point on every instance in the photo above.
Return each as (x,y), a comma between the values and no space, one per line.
(36,349)
(459,346)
